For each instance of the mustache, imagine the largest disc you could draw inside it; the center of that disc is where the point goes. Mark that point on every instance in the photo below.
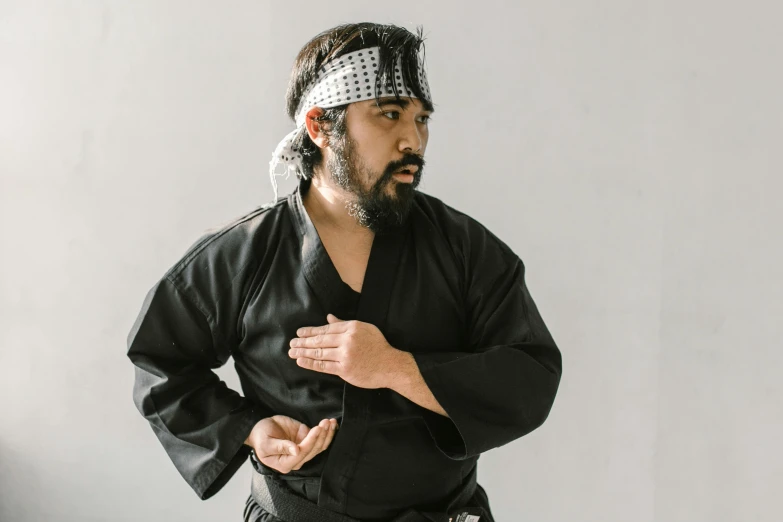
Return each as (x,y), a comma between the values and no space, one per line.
(406,161)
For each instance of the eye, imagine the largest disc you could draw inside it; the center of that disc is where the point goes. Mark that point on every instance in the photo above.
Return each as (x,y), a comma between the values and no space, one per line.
(427,118)
(396,113)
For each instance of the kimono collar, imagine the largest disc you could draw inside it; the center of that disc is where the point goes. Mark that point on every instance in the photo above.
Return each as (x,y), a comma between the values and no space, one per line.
(318,267)
(319,270)
(314,255)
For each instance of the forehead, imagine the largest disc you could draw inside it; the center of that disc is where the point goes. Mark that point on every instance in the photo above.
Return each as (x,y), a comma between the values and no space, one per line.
(405,102)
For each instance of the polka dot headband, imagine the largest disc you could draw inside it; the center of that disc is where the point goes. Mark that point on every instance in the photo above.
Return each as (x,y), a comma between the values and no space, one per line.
(347,79)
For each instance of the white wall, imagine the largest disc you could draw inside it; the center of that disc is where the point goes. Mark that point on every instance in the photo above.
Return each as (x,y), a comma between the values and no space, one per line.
(628,151)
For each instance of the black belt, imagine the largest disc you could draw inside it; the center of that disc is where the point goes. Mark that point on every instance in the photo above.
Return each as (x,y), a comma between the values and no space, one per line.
(274,497)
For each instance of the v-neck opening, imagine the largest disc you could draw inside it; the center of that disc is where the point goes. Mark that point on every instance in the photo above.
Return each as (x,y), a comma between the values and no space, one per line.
(350,289)
(319,268)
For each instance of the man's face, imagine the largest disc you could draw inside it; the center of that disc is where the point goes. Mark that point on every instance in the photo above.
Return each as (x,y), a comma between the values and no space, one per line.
(382,137)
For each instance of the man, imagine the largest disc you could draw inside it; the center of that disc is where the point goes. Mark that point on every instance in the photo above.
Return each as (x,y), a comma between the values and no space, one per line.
(356,302)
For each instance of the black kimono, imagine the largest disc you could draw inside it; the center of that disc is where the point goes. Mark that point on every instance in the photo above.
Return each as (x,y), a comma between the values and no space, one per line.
(455,298)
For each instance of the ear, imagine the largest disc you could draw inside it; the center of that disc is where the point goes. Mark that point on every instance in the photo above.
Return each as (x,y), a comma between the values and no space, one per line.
(314,128)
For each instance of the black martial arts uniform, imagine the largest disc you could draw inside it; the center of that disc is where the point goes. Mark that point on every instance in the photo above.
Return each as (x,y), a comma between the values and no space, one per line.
(453,295)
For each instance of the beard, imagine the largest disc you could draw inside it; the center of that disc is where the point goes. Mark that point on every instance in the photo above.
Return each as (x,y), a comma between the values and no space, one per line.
(376,208)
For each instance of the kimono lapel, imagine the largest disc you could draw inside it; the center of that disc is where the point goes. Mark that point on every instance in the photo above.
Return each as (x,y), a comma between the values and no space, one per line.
(319,271)
(380,276)
(379,279)
(346,447)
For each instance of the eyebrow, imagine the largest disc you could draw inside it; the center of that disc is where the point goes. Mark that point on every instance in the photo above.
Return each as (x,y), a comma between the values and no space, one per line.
(401,103)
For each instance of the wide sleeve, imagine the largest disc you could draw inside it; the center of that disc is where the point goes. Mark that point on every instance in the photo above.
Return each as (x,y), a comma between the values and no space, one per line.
(201,423)
(504,385)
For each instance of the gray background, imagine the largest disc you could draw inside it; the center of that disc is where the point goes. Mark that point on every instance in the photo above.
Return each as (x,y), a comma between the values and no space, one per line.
(628,151)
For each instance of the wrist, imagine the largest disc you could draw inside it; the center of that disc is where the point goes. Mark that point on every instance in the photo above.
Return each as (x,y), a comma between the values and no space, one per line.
(402,371)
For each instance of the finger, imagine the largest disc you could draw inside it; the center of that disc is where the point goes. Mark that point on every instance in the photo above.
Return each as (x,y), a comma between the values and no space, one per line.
(301,434)
(323,428)
(317,341)
(318,365)
(272,446)
(326,440)
(319,432)
(309,331)
(319,354)
(285,463)
(331,318)
(288,426)
(310,439)
(330,435)
(330,428)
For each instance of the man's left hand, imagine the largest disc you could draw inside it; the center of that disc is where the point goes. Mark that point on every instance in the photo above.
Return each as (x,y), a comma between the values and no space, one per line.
(355,351)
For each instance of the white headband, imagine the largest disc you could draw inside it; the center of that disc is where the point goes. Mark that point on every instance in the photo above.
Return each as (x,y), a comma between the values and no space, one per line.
(348,79)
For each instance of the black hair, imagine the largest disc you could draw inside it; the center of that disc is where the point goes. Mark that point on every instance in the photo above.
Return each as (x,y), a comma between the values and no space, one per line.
(393,42)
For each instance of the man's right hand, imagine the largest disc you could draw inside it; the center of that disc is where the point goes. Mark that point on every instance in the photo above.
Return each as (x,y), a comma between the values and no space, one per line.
(285,444)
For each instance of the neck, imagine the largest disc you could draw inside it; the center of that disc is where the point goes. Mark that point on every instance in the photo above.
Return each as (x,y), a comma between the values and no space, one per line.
(325,203)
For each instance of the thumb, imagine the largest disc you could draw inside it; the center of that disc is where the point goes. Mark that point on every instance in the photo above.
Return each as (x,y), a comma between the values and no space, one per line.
(332,319)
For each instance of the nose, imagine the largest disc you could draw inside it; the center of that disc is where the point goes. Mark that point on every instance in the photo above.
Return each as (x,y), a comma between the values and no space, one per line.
(411,140)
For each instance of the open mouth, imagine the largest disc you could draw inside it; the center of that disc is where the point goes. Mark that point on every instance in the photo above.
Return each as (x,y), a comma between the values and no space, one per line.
(408,170)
